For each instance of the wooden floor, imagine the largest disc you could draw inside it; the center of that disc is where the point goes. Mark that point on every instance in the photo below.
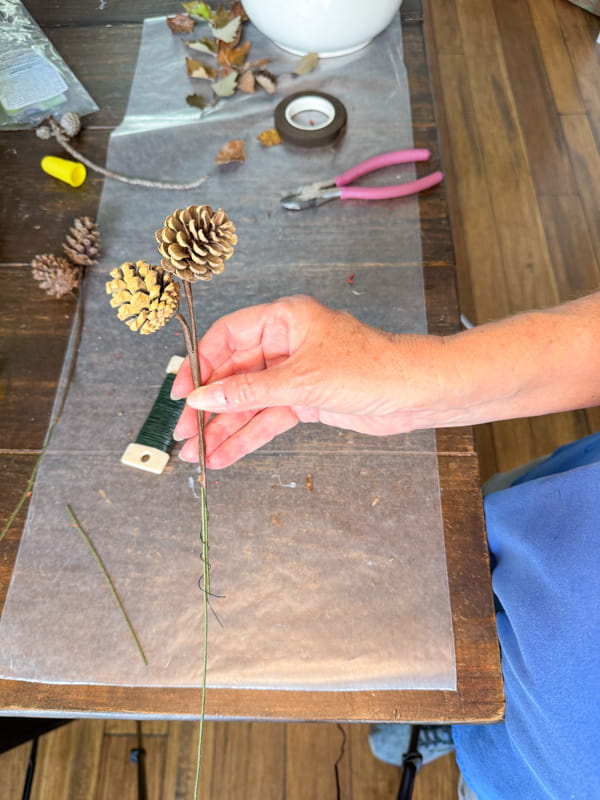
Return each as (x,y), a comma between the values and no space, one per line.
(517,89)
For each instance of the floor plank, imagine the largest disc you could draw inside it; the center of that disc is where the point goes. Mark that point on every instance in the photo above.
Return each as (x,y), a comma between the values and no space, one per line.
(69,762)
(13,770)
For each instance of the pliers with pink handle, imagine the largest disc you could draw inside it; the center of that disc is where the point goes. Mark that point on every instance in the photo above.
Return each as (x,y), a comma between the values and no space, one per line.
(313,194)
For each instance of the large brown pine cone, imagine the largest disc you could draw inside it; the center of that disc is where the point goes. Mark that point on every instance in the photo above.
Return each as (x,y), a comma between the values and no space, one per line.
(55,274)
(145,297)
(83,245)
(196,242)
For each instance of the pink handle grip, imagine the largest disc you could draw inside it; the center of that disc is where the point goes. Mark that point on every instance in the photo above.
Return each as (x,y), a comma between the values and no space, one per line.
(378,162)
(387,192)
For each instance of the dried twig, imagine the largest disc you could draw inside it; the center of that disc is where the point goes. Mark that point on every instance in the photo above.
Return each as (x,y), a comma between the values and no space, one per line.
(51,129)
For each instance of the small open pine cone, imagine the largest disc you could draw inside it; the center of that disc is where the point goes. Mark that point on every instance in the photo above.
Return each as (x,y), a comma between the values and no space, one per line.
(196,242)
(54,274)
(145,297)
(83,244)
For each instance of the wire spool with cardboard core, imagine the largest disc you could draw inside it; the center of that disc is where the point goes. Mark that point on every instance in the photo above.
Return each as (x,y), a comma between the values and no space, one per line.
(310,119)
(153,444)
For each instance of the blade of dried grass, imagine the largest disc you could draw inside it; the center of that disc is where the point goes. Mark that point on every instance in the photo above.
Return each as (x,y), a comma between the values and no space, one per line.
(109,581)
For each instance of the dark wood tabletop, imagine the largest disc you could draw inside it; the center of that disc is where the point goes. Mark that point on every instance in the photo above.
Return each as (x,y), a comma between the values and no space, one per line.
(100,43)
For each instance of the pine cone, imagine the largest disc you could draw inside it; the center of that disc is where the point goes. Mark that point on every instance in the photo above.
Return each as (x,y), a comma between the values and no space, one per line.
(196,242)
(70,124)
(55,275)
(146,297)
(83,246)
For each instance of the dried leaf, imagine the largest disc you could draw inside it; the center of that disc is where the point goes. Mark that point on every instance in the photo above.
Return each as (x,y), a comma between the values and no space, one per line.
(228,33)
(246,82)
(267,80)
(238,10)
(198,69)
(226,86)
(198,9)
(307,63)
(220,18)
(259,64)
(229,56)
(204,45)
(196,100)
(181,23)
(269,137)
(232,151)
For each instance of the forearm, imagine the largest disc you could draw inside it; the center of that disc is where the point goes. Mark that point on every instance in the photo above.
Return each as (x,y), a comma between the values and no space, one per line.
(534,363)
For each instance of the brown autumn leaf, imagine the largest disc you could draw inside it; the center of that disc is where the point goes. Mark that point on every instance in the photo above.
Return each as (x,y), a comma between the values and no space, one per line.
(204,45)
(258,64)
(232,151)
(198,69)
(220,17)
(267,80)
(196,100)
(181,23)
(306,64)
(229,56)
(238,10)
(246,82)
(269,138)
(230,32)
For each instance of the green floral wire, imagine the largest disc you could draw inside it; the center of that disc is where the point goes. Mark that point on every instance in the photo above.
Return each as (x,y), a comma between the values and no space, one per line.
(109,581)
(206,591)
(28,486)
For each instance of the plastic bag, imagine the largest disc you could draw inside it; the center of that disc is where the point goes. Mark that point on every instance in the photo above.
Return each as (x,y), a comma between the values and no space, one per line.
(34,79)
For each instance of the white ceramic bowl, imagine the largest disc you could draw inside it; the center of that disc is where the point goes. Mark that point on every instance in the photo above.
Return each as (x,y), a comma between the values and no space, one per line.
(326,27)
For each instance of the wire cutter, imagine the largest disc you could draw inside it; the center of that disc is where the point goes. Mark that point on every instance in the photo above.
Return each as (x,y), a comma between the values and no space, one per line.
(314,194)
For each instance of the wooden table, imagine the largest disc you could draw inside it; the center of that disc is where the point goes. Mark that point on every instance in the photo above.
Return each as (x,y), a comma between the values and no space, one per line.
(100,44)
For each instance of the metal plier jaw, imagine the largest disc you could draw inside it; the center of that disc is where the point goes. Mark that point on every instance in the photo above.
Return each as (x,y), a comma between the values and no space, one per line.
(311,195)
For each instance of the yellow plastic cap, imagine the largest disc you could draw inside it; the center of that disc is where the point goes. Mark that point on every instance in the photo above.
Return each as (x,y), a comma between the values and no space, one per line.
(71,172)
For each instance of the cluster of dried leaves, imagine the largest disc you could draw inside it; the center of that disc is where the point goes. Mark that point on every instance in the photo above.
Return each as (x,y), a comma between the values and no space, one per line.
(229,69)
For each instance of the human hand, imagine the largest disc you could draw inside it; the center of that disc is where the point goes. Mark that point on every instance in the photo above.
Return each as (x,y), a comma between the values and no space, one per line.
(267,367)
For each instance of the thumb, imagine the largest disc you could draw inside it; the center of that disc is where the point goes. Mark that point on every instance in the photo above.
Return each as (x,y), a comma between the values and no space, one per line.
(246,391)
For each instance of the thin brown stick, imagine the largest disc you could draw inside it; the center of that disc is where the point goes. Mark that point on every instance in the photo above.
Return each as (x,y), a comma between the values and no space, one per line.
(197,379)
(64,143)
(187,336)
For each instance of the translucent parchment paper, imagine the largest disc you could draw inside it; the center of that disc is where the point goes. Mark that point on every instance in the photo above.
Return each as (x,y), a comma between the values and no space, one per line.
(333,581)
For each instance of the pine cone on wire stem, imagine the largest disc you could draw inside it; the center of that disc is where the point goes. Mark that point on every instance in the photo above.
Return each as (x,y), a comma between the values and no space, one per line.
(82,246)
(54,274)
(196,242)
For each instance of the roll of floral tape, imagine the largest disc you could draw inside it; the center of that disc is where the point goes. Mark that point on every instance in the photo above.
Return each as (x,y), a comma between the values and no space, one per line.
(310,119)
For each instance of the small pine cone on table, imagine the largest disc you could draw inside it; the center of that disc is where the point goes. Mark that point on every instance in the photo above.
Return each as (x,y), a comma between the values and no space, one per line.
(54,274)
(196,242)
(83,243)
(145,297)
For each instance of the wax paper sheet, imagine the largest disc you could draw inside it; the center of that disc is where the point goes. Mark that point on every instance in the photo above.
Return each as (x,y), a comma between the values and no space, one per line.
(326,547)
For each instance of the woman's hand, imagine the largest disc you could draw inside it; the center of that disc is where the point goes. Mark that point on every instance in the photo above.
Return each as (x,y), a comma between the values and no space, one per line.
(267,367)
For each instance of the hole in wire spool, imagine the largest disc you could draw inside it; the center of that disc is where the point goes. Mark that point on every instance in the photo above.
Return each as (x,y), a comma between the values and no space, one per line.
(310,113)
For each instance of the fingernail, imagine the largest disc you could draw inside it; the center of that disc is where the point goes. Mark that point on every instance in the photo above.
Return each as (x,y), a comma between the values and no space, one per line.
(177,436)
(208,398)
(175,395)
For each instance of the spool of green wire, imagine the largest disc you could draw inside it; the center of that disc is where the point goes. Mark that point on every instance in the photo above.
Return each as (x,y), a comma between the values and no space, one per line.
(153,444)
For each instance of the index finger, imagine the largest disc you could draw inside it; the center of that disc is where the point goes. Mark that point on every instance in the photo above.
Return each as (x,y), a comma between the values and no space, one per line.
(243,341)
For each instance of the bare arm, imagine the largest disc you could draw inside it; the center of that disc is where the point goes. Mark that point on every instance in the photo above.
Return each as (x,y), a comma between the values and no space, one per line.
(270,366)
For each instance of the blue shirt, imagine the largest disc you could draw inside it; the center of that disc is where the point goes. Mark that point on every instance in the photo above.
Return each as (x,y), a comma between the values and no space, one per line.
(543,535)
